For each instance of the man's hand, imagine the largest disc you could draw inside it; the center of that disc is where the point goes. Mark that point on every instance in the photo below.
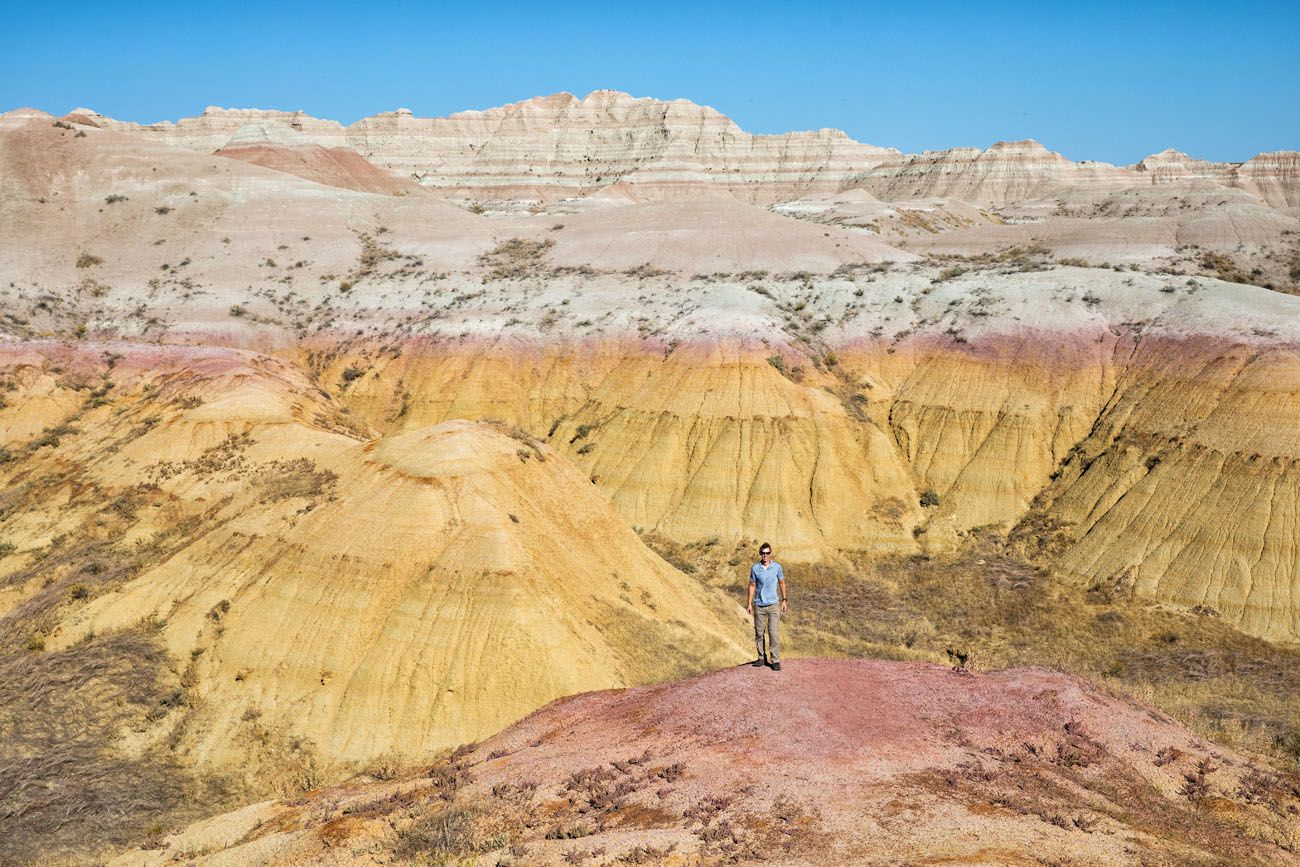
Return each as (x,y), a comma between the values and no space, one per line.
(783,606)
(749,609)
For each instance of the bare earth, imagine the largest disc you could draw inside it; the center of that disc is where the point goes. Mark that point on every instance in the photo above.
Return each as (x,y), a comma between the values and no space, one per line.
(825,762)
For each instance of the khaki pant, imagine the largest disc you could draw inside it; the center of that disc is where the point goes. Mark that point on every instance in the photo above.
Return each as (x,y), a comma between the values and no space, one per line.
(767,620)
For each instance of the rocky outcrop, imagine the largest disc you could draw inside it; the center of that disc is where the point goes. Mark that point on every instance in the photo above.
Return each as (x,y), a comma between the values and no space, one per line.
(1022,171)
(1171,166)
(1006,172)
(1274,177)
(277,146)
(214,128)
(547,149)
(560,146)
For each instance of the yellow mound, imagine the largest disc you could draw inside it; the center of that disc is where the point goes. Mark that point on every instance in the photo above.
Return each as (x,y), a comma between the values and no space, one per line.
(441,585)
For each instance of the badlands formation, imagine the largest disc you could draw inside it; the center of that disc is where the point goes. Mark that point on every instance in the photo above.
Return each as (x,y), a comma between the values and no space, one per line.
(323,445)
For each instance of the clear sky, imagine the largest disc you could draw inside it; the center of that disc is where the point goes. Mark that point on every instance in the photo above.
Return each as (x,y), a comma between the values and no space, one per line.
(1109,81)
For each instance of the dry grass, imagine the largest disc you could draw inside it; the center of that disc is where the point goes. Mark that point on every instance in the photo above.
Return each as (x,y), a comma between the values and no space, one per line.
(441,836)
(284,480)
(63,786)
(68,786)
(515,259)
(1225,268)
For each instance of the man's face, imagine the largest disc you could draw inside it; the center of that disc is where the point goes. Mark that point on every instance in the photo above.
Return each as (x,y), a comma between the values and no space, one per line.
(766,555)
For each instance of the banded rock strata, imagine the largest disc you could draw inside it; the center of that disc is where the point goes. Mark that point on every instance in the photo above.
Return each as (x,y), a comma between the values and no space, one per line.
(551,148)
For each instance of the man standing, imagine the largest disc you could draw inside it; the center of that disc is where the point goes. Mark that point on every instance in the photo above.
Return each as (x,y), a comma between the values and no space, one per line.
(766,592)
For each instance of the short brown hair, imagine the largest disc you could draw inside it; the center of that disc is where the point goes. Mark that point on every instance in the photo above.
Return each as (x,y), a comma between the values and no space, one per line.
(765,545)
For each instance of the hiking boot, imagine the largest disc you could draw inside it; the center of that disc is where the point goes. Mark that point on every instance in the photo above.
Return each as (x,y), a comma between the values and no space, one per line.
(758,663)
(776,666)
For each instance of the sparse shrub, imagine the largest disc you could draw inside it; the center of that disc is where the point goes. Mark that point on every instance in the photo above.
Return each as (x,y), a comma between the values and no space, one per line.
(930,498)
(52,436)
(299,478)
(88,260)
(162,210)
(515,259)
(114,199)
(645,270)
(1289,743)
(445,834)
(672,773)
(350,375)
(386,767)
(237,310)
(568,831)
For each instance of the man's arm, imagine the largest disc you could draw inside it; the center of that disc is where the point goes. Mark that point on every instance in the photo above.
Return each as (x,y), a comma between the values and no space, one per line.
(749,603)
(780,586)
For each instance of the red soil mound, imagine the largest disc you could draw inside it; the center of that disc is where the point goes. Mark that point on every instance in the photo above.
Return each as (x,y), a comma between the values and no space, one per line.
(827,762)
(334,167)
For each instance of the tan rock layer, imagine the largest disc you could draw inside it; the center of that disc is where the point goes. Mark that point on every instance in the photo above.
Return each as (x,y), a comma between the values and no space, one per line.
(554,147)
(716,441)
(1018,171)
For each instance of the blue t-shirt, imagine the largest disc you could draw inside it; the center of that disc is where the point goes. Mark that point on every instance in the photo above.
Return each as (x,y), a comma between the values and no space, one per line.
(764,581)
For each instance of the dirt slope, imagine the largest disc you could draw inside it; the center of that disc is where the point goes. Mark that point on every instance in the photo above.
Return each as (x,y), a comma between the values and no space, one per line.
(826,762)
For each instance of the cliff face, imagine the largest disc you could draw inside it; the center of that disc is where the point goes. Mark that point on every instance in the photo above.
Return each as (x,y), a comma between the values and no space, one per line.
(556,147)
(549,149)
(1006,172)
(1009,172)
(1274,177)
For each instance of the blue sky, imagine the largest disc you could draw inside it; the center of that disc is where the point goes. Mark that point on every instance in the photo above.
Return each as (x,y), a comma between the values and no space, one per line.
(1108,81)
